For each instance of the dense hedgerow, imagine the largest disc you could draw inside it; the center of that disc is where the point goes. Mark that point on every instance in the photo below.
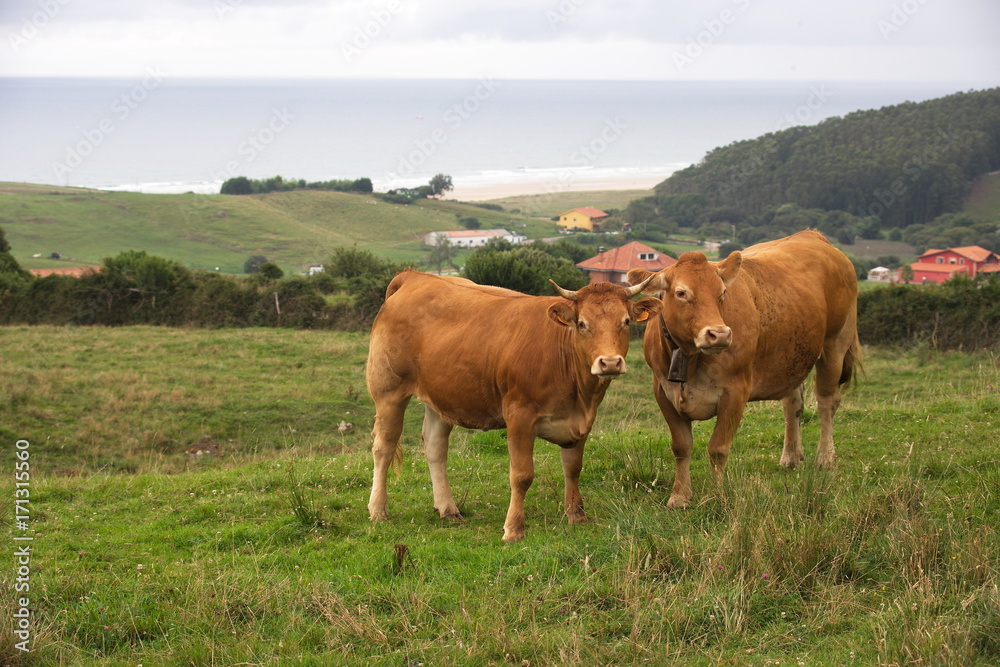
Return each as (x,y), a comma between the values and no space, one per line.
(961,314)
(136,288)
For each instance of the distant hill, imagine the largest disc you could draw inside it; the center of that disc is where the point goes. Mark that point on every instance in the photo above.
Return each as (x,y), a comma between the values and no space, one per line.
(905,164)
(209,231)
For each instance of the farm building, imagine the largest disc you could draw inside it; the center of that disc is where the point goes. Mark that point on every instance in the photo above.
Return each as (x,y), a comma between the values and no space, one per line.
(937,266)
(473,238)
(613,265)
(880,274)
(588,218)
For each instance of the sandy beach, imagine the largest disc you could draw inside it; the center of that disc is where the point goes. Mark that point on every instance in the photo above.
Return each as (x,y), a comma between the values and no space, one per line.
(499,191)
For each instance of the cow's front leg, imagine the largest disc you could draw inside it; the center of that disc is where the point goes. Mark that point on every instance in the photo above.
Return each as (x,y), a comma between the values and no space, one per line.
(572,463)
(681,442)
(792,405)
(521,447)
(731,407)
(435,434)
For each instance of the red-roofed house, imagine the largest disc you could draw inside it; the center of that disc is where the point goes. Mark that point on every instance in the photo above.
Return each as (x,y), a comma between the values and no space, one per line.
(937,266)
(613,266)
(587,217)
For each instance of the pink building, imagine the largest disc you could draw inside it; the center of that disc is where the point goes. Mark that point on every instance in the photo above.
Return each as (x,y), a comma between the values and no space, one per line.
(937,266)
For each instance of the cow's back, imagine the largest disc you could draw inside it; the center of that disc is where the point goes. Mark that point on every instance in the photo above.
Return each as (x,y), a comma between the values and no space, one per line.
(456,345)
(789,297)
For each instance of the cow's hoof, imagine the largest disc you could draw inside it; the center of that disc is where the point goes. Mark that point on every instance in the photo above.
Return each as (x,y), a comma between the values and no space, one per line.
(578,518)
(824,464)
(678,504)
(452,515)
(379,515)
(510,536)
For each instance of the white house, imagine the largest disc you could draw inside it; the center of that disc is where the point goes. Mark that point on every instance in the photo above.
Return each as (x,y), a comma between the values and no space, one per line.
(880,274)
(473,238)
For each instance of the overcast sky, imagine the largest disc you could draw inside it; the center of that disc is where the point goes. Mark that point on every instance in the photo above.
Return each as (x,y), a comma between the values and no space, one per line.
(753,40)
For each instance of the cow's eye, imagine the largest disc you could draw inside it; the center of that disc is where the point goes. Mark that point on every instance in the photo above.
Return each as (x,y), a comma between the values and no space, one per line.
(681,294)
(581,325)
(627,321)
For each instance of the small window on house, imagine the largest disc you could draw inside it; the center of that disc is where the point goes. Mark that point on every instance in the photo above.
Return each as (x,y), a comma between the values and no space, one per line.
(951,260)
(961,261)
(647,255)
(940,260)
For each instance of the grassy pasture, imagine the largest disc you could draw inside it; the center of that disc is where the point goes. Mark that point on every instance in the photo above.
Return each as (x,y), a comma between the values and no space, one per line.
(208,231)
(260,552)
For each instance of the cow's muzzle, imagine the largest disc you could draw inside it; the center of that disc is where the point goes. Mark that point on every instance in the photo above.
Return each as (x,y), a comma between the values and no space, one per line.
(607,367)
(714,340)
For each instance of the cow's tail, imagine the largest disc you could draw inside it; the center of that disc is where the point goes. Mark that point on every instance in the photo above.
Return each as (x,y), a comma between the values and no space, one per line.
(852,363)
(396,283)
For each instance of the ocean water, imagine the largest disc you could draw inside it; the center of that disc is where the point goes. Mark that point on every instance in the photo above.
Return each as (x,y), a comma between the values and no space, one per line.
(159,134)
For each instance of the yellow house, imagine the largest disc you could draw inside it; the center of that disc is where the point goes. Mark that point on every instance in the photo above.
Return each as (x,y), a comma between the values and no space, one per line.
(587,217)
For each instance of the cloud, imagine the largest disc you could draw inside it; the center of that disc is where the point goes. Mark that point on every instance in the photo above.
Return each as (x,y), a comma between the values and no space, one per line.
(777,39)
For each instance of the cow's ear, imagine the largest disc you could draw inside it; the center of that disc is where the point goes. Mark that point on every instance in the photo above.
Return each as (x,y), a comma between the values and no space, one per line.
(636,276)
(563,313)
(643,310)
(730,267)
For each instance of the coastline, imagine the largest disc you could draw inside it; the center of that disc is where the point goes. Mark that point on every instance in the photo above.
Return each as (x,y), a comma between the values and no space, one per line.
(488,192)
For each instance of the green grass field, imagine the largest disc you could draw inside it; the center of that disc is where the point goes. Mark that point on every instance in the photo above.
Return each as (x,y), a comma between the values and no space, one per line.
(291,229)
(260,552)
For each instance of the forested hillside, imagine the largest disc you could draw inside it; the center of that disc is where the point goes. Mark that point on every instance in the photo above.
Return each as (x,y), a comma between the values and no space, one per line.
(887,168)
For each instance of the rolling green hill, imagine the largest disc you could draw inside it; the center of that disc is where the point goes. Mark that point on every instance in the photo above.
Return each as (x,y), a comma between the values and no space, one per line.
(904,165)
(208,231)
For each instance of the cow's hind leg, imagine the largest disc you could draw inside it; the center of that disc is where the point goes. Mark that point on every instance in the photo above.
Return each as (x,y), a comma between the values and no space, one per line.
(830,372)
(435,434)
(792,405)
(572,462)
(388,428)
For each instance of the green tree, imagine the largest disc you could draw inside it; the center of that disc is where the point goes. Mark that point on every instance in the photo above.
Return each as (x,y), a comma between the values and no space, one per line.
(270,271)
(253,263)
(239,185)
(439,184)
(523,269)
(441,254)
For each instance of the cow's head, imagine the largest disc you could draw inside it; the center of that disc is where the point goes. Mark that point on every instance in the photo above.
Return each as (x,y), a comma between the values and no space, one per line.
(692,291)
(598,317)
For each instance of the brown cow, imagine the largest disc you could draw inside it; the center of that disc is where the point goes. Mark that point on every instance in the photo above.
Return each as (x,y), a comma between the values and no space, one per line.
(488,358)
(750,328)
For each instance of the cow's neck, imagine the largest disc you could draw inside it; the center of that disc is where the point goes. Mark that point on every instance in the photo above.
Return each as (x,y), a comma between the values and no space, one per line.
(679,359)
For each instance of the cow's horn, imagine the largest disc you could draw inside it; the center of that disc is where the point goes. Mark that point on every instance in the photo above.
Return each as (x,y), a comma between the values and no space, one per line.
(564,293)
(635,289)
